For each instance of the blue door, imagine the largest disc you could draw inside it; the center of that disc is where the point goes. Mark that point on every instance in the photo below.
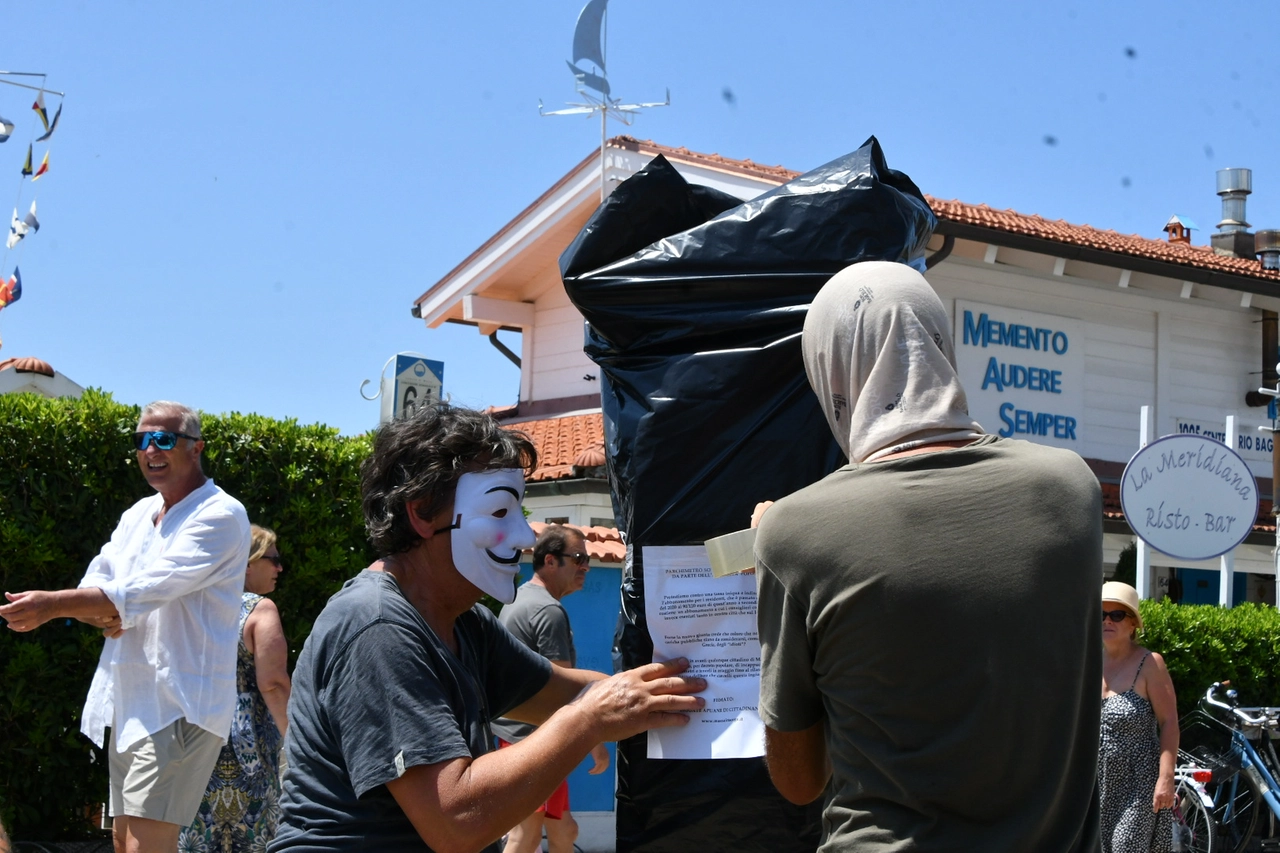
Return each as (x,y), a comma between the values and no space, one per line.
(1200,586)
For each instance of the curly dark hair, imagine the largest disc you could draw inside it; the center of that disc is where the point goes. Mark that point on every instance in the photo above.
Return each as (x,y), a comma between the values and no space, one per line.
(421,458)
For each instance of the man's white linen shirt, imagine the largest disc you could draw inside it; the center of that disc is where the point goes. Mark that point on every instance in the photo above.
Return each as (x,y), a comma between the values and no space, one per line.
(177,587)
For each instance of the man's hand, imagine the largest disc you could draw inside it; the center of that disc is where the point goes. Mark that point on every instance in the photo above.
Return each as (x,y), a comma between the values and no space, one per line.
(109,625)
(758,513)
(647,697)
(27,611)
(599,754)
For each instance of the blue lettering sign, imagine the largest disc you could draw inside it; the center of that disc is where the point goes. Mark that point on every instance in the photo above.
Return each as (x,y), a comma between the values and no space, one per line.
(1025,422)
(1003,376)
(985,332)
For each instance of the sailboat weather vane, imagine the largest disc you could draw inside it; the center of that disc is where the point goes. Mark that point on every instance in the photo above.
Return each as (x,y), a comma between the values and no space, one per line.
(591,80)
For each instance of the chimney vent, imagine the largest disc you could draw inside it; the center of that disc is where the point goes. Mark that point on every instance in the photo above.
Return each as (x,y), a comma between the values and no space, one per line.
(1233,238)
(1179,229)
(1267,245)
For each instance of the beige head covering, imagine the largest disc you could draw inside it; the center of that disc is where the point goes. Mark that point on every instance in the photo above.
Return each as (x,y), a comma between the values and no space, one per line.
(878,352)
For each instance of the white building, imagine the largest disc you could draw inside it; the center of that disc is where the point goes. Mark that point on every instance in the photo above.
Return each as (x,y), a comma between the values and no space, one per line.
(33,376)
(1081,327)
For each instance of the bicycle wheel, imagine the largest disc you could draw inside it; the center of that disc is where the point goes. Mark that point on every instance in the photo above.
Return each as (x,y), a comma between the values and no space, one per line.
(1236,803)
(1197,819)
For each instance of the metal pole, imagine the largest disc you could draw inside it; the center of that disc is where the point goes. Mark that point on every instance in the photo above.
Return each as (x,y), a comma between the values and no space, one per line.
(604,117)
(1227,562)
(1143,573)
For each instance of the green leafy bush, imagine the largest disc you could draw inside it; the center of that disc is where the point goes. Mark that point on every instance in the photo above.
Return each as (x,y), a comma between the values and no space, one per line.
(67,472)
(1203,643)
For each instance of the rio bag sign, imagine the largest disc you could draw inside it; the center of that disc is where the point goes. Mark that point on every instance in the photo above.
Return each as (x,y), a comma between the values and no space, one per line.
(1190,497)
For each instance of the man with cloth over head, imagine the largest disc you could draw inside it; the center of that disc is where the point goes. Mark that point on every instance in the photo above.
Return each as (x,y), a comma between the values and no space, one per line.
(388,743)
(928,613)
(537,619)
(166,592)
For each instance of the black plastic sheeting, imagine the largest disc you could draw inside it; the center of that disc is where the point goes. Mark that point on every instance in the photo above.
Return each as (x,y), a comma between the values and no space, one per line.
(695,302)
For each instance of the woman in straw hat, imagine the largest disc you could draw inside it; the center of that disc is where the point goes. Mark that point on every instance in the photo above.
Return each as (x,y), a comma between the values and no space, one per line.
(1139,732)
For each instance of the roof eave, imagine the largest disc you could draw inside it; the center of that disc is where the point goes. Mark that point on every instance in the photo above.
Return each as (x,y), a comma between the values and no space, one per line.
(1119,260)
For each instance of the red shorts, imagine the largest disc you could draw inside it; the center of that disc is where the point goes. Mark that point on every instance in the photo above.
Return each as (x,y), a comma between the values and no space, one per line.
(558,803)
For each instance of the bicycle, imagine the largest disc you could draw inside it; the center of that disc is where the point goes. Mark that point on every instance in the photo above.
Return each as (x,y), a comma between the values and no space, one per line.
(1194,807)
(1241,777)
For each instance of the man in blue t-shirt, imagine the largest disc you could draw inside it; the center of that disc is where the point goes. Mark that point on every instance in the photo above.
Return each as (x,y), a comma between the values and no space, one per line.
(388,737)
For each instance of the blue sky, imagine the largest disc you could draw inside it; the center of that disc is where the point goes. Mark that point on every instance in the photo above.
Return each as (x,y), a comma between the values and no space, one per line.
(245,198)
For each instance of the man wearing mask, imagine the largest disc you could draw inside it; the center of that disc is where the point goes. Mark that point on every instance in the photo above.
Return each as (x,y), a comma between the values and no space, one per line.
(388,743)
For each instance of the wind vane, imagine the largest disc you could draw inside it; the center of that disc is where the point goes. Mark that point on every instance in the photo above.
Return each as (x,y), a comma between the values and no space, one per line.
(591,81)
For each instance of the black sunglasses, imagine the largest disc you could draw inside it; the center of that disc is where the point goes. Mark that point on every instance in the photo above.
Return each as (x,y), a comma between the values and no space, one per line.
(163,439)
(275,561)
(580,558)
(1114,615)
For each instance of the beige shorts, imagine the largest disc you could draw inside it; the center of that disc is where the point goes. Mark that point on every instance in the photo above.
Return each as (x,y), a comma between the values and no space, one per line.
(164,776)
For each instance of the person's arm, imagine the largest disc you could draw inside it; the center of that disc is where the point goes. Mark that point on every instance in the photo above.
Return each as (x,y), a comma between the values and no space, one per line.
(264,638)
(561,688)
(791,704)
(599,752)
(798,762)
(1164,702)
(461,805)
(27,611)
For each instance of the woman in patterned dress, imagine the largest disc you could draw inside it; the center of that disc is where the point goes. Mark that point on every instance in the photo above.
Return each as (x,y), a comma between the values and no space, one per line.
(1139,743)
(240,809)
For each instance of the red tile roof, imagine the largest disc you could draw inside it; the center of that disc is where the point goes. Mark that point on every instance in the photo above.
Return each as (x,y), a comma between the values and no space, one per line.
(27,364)
(561,441)
(1086,236)
(603,543)
(1008,221)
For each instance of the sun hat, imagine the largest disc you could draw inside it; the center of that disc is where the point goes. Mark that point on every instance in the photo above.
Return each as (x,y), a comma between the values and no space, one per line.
(1122,593)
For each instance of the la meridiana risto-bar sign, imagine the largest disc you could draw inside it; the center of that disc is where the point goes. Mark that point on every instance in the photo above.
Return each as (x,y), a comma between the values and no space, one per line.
(1189,496)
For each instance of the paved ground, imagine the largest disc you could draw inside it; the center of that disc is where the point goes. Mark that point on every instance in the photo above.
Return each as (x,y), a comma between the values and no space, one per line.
(595,832)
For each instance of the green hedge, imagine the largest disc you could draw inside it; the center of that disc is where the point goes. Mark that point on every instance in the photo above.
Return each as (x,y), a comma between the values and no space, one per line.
(1204,643)
(67,472)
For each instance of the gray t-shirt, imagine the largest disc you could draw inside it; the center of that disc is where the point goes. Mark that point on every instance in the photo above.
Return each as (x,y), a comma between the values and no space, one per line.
(941,613)
(536,619)
(374,693)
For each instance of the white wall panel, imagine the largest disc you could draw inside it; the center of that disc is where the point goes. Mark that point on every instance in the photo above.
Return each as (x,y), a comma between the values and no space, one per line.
(1210,348)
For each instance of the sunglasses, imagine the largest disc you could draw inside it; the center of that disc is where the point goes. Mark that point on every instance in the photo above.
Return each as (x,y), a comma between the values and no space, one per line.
(1115,615)
(162,439)
(580,558)
(275,561)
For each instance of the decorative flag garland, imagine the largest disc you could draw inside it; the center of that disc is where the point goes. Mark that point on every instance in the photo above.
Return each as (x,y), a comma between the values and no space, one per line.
(22,227)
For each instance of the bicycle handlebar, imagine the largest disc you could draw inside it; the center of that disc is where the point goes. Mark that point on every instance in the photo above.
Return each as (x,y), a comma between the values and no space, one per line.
(1236,712)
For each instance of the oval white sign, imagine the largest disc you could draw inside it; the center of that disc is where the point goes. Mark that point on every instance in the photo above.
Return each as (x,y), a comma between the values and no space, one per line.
(1189,497)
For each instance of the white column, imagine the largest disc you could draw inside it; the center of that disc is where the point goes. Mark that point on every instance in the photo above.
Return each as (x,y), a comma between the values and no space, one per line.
(1143,573)
(1228,560)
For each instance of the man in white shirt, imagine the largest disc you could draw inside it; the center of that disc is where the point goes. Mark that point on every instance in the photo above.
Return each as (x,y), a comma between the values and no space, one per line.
(166,592)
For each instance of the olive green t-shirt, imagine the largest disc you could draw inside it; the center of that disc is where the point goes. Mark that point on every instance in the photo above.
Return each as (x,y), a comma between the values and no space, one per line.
(941,613)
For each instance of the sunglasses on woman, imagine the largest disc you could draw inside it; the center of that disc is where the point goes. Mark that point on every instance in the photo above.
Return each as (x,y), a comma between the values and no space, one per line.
(163,439)
(1114,615)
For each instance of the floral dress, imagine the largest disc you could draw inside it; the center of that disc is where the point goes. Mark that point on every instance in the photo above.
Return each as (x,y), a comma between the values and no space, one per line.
(1128,768)
(241,806)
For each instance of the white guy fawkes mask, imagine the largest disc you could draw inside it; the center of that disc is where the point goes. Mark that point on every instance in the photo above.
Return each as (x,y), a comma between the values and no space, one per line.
(490,530)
